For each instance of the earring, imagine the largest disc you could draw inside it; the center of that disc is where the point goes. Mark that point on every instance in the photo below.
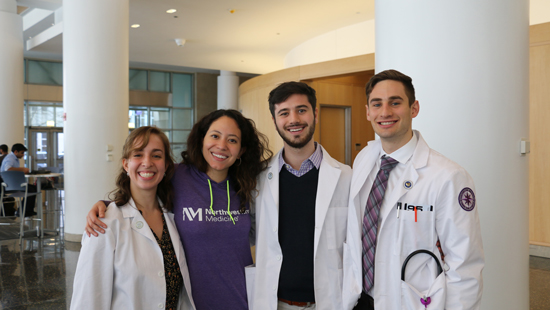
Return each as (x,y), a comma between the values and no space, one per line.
(240,161)
(127,173)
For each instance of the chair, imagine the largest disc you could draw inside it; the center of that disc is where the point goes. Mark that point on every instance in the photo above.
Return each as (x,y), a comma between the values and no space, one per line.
(16,183)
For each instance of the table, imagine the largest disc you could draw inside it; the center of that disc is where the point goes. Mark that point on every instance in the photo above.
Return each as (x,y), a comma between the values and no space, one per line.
(39,197)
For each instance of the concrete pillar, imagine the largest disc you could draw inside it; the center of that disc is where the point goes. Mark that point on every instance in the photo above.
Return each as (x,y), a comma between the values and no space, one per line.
(469,61)
(228,90)
(95,91)
(11,75)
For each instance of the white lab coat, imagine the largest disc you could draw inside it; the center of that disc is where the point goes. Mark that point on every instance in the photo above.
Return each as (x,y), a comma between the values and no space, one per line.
(331,207)
(436,181)
(124,268)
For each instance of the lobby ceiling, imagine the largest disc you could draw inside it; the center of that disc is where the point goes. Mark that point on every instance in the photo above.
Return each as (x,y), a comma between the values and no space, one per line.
(249,36)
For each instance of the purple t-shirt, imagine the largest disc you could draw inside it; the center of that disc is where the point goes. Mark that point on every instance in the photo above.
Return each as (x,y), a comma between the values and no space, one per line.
(216,249)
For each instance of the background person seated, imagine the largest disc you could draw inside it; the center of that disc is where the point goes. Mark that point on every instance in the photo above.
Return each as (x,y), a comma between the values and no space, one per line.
(11,163)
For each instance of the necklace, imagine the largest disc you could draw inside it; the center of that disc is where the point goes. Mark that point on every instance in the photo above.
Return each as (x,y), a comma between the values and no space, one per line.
(139,206)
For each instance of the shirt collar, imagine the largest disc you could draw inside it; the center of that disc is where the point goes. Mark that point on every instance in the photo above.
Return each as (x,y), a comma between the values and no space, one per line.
(404,153)
(316,158)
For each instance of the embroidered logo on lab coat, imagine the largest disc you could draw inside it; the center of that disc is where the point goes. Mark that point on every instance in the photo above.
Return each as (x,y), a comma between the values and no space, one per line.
(467,199)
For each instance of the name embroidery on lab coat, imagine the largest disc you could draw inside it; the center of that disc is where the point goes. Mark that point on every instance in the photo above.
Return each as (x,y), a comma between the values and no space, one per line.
(409,207)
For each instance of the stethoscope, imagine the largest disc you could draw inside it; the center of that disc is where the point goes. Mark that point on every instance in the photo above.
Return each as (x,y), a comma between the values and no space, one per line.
(427,300)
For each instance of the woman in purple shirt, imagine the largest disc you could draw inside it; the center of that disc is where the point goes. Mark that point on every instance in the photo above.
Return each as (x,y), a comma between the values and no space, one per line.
(212,189)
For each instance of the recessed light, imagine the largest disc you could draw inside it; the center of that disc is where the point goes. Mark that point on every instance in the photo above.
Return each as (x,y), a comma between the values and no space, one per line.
(135,26)
(170,11)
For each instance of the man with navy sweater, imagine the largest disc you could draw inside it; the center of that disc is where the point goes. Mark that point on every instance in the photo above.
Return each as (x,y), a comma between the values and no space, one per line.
(301,213)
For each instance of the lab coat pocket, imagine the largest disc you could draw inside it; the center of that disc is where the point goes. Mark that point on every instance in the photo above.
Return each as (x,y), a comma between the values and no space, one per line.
(433,298)
(250,275)
(335,226)
(351,279)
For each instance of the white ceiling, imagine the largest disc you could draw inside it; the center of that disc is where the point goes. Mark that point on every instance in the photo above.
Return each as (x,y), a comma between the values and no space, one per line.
(253,39)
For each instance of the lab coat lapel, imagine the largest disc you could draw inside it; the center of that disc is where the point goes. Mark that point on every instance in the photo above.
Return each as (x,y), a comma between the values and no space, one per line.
(362,170)
(137,223)
(272,181)
(329,174)
(418,160)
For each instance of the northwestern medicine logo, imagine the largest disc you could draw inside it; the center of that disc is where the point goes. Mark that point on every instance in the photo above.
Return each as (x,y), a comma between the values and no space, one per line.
(209,216)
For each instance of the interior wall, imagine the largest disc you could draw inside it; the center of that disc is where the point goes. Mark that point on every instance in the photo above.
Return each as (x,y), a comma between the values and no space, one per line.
(539,132)
(253,93)
(347,90)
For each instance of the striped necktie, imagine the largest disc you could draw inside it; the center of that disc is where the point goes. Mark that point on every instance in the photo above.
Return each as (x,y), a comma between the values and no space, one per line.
(370,220)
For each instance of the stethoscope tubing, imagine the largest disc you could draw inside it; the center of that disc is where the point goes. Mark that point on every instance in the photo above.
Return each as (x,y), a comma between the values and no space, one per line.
(439,269)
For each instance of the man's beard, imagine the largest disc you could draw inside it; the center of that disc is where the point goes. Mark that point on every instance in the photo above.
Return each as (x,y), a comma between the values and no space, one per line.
(303,142)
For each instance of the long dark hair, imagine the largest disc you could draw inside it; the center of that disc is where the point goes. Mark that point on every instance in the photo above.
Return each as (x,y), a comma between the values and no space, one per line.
(253,161)
(137,141)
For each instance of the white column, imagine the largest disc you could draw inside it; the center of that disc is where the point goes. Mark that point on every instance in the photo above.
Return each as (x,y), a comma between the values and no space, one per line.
(228,90)
(11,75)
(95,91)
(469,61)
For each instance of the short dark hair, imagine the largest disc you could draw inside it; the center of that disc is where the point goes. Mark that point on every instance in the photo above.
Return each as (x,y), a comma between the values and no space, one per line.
(283,91)
(253,161)
(393,75)
(18,147)
(4,148)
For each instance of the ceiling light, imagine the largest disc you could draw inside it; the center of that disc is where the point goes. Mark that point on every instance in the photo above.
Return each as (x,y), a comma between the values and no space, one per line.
(170,11)
(135,26)
(180,42)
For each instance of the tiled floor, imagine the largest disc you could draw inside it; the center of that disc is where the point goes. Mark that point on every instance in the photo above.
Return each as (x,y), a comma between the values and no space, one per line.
(39,274)
(539,283)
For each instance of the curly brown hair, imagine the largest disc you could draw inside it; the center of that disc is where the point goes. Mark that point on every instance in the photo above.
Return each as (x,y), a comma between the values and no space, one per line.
(253,161)
(137,141)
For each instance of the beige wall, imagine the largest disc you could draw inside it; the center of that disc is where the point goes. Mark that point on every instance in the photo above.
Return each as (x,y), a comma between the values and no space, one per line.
(348,90)
(539,132)
(254,92)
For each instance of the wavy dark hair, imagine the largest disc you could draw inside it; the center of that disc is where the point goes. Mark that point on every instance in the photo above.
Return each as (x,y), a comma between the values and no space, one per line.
(137,141)
(253,161)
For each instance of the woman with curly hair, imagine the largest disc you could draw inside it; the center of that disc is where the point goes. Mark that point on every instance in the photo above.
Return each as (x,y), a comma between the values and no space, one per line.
(213,187)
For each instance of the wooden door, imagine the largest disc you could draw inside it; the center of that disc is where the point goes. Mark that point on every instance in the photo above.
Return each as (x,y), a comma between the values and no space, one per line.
(334,135)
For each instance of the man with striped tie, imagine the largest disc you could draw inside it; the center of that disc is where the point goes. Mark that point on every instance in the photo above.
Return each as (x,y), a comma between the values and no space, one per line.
(408,206)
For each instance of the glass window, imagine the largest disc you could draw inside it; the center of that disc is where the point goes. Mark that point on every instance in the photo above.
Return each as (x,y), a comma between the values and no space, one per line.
(180,136)
(137,117)
(59,117)
(45,72)
(159,81)
(160,117)
(60,146)
(41,115)
(176,151)
(183,119)
(167,133)
(138,79)
(182,90)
